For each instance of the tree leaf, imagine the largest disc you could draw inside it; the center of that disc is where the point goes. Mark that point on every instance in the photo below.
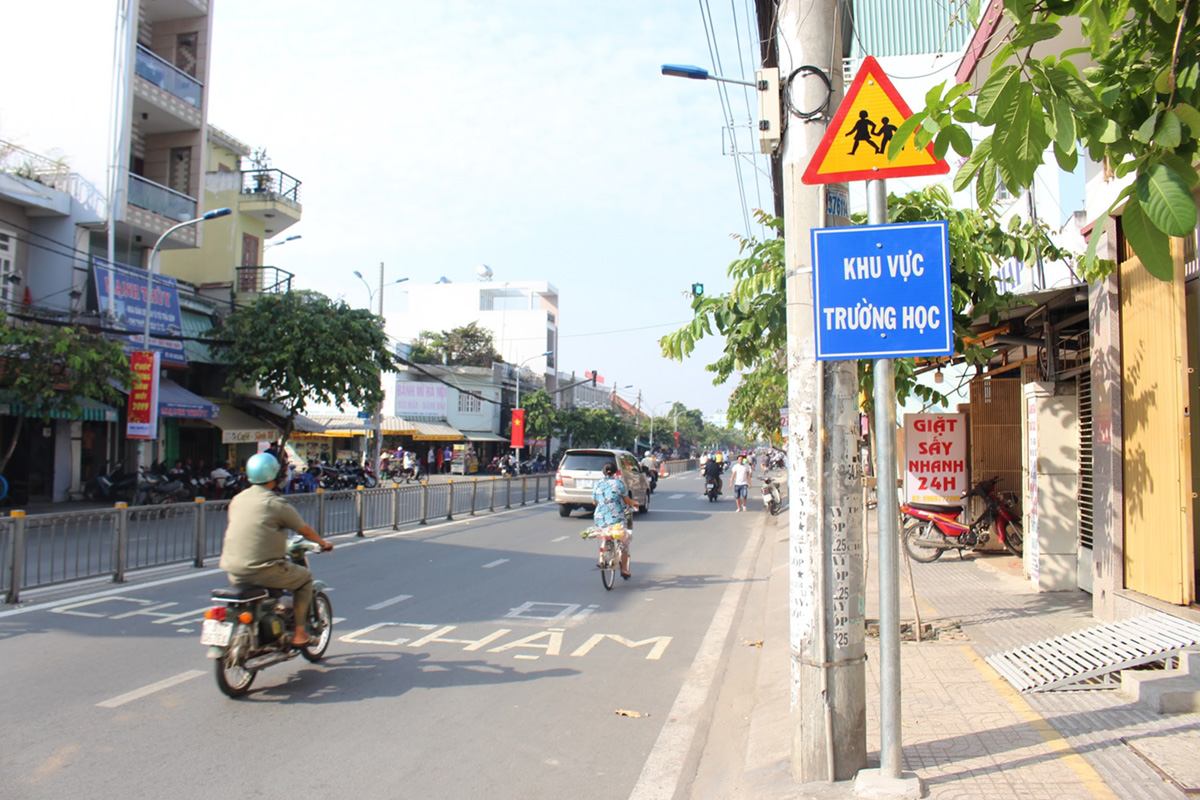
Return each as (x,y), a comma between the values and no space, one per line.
(985,185)
(1190,117)
(1145,131)
(1034,33)
(1170,132)
(960,140)
(1148,242)
(1166,200)
(996,94)
(966,173)
(1064,127)
(903,134)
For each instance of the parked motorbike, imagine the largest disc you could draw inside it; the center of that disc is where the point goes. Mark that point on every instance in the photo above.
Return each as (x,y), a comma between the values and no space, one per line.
(931,529)
(251,627)
(770,496)
(115,486)
(156,489)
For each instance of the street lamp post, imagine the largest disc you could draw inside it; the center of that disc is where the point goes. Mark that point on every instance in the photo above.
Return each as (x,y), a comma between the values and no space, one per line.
(216,212)
(377,417)
(518,403)
(291,238)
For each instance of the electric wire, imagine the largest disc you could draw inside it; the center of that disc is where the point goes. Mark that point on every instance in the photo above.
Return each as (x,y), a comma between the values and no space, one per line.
(737,37)
(726,107)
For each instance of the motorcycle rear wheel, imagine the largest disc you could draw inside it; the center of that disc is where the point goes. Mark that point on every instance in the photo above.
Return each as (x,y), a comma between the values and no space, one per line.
(232,679)
(914,530)
(1014,538)
(321,625)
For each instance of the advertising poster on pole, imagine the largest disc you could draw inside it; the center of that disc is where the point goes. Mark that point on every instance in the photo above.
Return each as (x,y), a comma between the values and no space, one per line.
(935,458)
(121,297)
(143,395)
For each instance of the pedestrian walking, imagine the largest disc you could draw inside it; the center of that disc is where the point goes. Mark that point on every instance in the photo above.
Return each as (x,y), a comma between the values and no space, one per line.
(741,483)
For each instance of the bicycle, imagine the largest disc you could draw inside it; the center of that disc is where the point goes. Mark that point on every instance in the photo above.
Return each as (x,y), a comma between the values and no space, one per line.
(612,548)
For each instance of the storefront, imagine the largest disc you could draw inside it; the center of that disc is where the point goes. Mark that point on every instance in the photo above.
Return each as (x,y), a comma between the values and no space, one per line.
(241,434)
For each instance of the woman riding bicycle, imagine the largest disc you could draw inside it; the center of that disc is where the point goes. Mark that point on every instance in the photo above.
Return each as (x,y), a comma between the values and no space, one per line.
(611,497)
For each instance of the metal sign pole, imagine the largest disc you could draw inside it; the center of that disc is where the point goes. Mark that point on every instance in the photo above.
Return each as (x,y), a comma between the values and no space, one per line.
(888,516)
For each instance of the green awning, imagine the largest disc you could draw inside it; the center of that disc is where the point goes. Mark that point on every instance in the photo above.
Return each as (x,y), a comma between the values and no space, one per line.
(195,324)
(89,410)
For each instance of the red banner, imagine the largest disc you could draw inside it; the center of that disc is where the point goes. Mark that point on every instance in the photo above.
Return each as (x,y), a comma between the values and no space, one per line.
(518,427)
(143,396)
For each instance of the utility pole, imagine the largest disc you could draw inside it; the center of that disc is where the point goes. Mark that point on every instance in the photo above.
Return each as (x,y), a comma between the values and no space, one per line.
(377,460)
(826,592)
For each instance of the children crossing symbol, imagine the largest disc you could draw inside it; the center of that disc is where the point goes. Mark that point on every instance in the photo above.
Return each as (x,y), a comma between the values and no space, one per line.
(869,115)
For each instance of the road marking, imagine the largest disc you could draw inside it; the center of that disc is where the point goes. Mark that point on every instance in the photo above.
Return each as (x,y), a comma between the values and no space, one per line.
(400,598)
(660,774)
(337,620)
(542,611)
(679,496)
(495,563)
(559,539)
(138,694)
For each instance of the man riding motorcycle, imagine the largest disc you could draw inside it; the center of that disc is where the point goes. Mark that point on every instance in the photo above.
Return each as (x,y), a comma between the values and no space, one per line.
(713,469)
(255,547)
(649,465)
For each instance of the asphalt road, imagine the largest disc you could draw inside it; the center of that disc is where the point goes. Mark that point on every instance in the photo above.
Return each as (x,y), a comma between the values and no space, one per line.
(480,658)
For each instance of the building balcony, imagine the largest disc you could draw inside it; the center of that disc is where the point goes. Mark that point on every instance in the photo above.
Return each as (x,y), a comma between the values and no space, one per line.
(151,208)
(165,98)
(263,280)
(272,196)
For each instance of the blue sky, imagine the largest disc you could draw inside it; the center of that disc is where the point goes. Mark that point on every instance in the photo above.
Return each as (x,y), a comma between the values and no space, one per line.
(536,136)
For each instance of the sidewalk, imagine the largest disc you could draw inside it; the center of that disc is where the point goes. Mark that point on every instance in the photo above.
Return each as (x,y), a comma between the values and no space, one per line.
(966,732)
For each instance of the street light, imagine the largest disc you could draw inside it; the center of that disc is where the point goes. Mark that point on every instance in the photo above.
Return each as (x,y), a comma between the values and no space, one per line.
(652,413)
(518,404)
(292,238)
(699,74)
(205,217)
(378,416)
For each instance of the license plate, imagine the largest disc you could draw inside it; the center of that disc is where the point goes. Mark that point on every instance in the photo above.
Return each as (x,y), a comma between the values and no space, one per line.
(215,633)
(583,483)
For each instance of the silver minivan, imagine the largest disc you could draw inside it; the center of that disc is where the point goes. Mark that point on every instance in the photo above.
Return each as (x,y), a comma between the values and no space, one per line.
(580,469)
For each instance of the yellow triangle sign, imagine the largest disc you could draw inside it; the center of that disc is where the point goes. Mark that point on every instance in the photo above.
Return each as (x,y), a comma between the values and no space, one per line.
(855,145)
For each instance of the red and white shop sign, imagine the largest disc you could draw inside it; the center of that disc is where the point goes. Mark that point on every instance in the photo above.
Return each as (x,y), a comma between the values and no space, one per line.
(935,458)
(143,395)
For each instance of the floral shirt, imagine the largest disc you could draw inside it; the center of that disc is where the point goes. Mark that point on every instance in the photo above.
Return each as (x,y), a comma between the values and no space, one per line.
(610,507)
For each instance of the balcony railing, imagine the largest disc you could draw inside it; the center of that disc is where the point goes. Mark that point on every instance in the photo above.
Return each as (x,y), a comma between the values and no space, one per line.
(158,199)
(264,280)
(168,77)
(271,184)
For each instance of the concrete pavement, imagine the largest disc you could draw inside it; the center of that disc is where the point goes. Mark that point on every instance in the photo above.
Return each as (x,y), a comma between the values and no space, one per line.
(966,732)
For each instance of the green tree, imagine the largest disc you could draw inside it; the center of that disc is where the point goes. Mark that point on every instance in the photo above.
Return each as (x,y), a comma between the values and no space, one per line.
(465,346)
(45,369)
(539,415)
(594,427)
(301,347)
(1133,106)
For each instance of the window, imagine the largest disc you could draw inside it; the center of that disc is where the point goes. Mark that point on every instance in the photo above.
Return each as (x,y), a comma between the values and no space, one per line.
(468,403)
(8,257)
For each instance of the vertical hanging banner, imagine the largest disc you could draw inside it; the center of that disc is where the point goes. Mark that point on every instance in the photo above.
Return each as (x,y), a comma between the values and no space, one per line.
(518,427)
(143,395)
(935,458)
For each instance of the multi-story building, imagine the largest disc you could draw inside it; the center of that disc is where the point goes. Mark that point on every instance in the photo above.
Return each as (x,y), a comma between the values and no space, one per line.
(522,316)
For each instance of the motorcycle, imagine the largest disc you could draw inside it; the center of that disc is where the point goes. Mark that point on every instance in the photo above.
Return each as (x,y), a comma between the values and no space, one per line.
(652,476)
(931,529)
(712,488)
(156,489)
(116,485)
(250,628)
(770,496)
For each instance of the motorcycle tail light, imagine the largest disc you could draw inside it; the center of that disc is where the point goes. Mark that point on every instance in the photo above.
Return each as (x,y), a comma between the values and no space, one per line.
(217,613)
(245,618)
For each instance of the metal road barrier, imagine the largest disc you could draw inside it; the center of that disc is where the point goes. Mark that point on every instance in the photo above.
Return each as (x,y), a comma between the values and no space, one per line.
(48,549)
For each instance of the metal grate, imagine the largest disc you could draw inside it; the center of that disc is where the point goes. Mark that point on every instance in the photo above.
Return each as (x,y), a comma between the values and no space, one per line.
(1089,658)
(1086,491)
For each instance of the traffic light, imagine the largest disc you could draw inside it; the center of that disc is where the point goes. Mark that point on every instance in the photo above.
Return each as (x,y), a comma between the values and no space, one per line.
(593,377)
(698,289)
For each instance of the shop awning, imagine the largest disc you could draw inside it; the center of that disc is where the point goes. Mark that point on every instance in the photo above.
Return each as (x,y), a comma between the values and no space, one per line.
(197,326)
(483,436)
(398,426)
(89,410)
(341,424)
(176,401)
(434,430)
(238,427)
(301,424)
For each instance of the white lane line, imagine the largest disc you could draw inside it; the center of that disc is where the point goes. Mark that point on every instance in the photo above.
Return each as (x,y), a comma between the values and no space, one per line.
(138,694)
(391,602)
(559,539)
(679,496)
(661,772)
(495,563)
(338,620)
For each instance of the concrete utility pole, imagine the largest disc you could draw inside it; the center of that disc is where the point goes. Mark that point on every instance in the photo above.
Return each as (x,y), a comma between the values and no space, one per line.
(827,629)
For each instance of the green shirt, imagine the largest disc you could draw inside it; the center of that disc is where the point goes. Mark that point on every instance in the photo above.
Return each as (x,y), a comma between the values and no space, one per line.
(256,536)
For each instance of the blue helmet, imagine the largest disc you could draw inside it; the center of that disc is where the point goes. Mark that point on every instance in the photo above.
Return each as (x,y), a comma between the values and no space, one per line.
(262,468)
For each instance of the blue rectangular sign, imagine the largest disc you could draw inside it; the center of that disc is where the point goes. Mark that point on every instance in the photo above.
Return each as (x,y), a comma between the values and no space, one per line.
(882,291)
(121,298)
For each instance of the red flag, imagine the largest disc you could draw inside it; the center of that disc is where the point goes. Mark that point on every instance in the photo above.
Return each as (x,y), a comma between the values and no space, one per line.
(518,427)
